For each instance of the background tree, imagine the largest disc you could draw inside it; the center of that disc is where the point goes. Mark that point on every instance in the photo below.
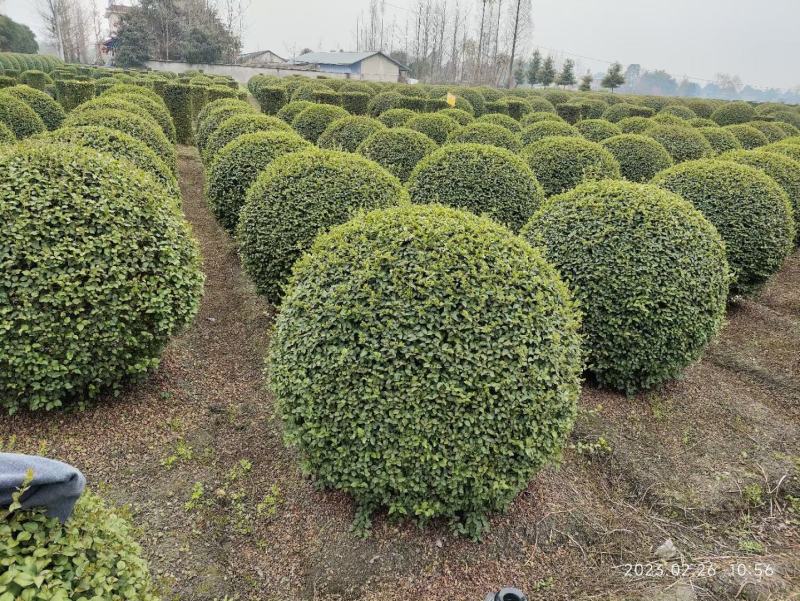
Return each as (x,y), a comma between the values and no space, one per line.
(614,77)
(567,75)
(519,73)
(534,67)
(586,83)
(547,75)
(15,37)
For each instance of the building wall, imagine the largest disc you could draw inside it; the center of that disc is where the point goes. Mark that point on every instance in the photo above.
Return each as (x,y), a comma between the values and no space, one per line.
(378,68)
(344,69)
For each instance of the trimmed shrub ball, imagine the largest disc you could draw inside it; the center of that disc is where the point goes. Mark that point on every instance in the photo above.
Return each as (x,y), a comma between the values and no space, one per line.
(49,111)
(733,113)
(509,123)
(289,111)
(142,129)
(384,101)
(648,271)
(238,165)
(683,143)
(639,157)
(785,148)
(6,135)
(398,150)
(597,130)
(788,128)
(208,122)
(486,133)
(772,131)
(396,117)
(348,133)
(155,108)
(721,139)
(751,212)
(428,361)
(635,125)
(312,121)
(20,118)
(459,116)
(120,145)
(117,103)
(532,118)
(617,112)
(89,237)
(782,169)
(680,111)
(479,178)
(297,197)
(95,550)
(546,129)
(434,125)
(561,163)
(668,119)
(540,105)
(749,137)
(702,122)
(238,125)
(702,108)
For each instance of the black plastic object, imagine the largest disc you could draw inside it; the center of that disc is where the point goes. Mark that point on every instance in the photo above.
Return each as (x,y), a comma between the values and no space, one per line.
(55,487)
(507,594)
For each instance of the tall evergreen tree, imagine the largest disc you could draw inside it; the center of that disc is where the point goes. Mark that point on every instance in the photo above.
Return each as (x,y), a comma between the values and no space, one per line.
(534,67)
(567,75)
(548,73)
(586,83)
(614,77)
(519,73)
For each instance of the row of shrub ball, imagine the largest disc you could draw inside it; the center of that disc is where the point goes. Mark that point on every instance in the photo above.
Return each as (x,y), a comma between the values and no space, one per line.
(384,223)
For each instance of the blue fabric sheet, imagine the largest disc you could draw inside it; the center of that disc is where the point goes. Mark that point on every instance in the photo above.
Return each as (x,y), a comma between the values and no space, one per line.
(56,486)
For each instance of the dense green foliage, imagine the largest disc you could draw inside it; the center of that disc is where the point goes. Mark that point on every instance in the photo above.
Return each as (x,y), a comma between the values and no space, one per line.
(71,92)
(396,117)
(215,114)
(721,139)
(154,105)
(773,131)
(617,112)
(459,116)
(749,137)
(639,157)
(635,125)
(597,130)
(297,197)
(683,143)
(535,117)
(733,113)
(561,163)
(434,125)
(384,101)
(16,37)
(49,111)
(237,166)
(486,133)
(398,149)
(427,361)
(311,122)
(92,556)
(479,178)
(348,133)
(785,148)
(103,269)
(648,271)
(547,129)
(751,212)
(6,135)
(39,80)
(18,116)
(290,110)
(509,123)
(238,125)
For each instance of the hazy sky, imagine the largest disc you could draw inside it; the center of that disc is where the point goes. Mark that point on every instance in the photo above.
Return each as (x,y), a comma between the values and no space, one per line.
(698,38)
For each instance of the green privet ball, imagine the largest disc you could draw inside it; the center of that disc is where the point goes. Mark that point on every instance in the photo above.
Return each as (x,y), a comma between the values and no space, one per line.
(749,137)
(221,110)
(639,157)
(479,178)
(119,145)
(142,129)
(289,111)
(238,165)
(648,271)
(18,116)
(297,197)
(617,112)
(312,121)
(702,122)
(788,128)
(509,123)
(772,131)
(348,133)
(635,125)
(547,129)
(88,237)
(786,148)
(397,149)
(486,133)
(49,111)
(535,117)
(93,552)
(384,101)
(683,143)
(426,360)
(721,139)
(733,113)
(677,110)
(475,98)
(702,108)
(751,212)
(6,135)
(784,170)
(561,163)
(238,125)
(434,125)
(396,117)
(459,116)
(597,130)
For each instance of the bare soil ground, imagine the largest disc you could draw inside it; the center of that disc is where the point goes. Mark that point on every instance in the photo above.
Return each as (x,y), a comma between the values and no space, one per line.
(711,462)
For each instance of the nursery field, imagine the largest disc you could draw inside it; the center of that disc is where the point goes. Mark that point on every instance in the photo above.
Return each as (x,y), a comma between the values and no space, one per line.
(344,341)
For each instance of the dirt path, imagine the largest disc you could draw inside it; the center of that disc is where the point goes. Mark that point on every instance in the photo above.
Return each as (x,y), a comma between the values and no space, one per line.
(196,451)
